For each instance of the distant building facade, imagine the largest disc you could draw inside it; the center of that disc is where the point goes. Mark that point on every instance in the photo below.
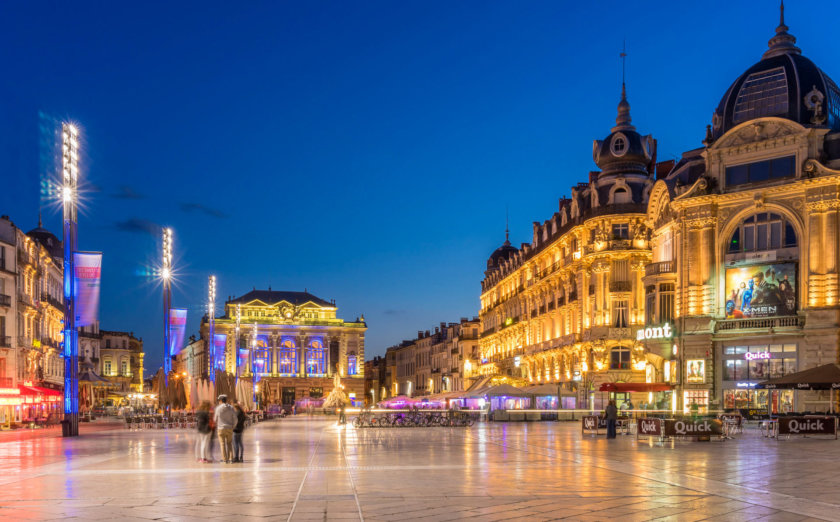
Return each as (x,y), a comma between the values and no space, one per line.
(292,343)
(440,361)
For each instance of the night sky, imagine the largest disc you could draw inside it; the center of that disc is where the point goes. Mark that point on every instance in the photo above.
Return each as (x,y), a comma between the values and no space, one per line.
(365,151)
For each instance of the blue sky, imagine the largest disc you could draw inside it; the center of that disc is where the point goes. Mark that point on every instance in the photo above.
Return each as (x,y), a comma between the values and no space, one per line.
(365,151)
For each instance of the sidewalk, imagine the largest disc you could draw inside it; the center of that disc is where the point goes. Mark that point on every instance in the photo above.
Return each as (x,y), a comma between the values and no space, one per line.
(55,431)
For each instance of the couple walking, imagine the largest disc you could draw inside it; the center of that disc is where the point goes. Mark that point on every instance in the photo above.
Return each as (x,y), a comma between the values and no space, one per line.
(229,422)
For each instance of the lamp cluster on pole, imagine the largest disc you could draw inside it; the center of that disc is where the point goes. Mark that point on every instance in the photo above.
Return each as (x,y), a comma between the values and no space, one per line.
(166,275)
(70,179)
(211,324)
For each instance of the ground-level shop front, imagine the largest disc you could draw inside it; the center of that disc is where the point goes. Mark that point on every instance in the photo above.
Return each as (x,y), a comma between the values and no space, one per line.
(744,364)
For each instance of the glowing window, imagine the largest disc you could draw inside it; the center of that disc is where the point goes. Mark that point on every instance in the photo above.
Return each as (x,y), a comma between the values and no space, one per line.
(352,368)
(316,358)
(287,363)
(763,93)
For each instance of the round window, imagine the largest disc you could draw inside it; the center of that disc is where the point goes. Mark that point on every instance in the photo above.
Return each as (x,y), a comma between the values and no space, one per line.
(618,146)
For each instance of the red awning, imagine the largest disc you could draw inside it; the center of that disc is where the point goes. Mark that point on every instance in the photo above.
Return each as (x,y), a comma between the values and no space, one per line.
(37,390)
(640,387)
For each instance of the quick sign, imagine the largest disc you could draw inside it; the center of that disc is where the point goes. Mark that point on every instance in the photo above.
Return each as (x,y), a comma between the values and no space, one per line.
(807,426)
(759,355)
(681,428)
(593,422)
(650,427)
(657,332)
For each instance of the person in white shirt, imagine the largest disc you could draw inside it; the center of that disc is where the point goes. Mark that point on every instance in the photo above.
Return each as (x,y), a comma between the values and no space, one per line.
(225,419)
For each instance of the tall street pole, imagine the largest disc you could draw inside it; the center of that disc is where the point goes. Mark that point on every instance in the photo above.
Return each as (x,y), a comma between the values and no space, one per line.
(70,175)
(166,274)
(236,340)
(211,323)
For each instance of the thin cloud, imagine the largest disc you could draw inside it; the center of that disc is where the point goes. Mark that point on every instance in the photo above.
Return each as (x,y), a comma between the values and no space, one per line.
(391,311)
(126,192)
(203,209)
(138,226)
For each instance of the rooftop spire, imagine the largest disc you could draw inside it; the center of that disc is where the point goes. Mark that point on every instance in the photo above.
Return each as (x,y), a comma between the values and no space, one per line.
(783,42)
(507,228)
(622,121)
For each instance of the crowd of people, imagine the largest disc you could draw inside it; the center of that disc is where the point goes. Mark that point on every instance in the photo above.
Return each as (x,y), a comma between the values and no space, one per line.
(228,423)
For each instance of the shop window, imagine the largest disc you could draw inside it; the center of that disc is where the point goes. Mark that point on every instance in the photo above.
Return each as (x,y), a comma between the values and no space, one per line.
(698,397)
(316,393)
(620,358)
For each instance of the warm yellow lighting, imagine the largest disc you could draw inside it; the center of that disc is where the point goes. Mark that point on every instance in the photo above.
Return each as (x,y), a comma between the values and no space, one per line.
(584,367)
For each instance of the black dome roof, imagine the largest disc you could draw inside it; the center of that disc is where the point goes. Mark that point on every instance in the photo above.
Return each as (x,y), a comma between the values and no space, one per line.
(48,240)
(501,254)
(624,150)
(783,84)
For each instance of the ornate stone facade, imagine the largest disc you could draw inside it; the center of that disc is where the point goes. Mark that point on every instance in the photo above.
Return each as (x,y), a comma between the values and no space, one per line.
(292,343)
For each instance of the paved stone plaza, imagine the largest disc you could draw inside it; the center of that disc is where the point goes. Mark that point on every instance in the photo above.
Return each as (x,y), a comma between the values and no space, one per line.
(304,469)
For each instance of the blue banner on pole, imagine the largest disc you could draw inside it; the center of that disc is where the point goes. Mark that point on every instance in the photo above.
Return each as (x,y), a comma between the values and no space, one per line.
(86,283)
(177,329)
(219,347)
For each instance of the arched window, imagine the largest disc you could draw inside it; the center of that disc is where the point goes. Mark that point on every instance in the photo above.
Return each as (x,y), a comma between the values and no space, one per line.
(287,363)
(316,358)
(620,358)
(621,195)
(352,365)
(762,231)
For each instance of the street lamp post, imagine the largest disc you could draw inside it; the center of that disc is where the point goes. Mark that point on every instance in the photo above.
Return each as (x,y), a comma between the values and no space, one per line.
(211,325)
(70,175)
(236,339)
(166,275)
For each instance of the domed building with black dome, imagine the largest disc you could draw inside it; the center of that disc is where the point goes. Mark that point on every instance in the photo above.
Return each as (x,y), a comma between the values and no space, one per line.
(745,241)
(564,306)
(686,284)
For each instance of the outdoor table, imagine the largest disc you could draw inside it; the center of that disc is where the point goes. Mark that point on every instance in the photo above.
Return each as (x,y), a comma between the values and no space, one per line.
(623,424)
(769,428)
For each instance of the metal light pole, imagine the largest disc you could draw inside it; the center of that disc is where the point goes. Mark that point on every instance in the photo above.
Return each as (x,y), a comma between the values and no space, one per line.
(236,340)
(254,361)
(166,274)
(70,175)
(211,324)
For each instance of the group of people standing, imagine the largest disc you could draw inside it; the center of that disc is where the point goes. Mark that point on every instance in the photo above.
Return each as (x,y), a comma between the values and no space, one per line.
(228,421)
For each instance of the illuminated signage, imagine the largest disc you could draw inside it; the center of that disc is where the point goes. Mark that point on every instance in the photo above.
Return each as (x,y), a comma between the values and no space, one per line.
(759,355)
(657,332)
(695,370)
(9,391)
(745,384)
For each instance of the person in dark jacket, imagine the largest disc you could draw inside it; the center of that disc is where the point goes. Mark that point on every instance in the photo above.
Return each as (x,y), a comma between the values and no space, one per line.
(205,431)
(238,448)
(611,414)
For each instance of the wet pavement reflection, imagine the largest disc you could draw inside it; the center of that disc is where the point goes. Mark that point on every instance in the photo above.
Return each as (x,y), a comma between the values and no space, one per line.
(309,468)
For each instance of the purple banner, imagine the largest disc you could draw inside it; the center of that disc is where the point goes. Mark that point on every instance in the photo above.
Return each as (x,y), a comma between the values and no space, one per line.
(88,276)
(219,345)
(177,329)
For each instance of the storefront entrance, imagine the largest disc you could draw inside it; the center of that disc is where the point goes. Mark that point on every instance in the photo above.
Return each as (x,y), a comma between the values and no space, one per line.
(288,396)
(780,401)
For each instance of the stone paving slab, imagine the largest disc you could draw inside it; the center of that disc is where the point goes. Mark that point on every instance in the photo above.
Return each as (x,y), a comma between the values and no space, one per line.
(311,469)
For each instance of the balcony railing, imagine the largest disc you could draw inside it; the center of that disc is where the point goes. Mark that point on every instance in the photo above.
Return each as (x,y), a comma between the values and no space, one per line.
(792,321)
(620,286)
(663,267)
(5,300)
(47,298)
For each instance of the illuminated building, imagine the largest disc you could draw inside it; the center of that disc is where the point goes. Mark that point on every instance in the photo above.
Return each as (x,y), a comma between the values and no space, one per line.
(709,274)
(746,238)
(121,360)
(566,306)
(434,362)
(292,343)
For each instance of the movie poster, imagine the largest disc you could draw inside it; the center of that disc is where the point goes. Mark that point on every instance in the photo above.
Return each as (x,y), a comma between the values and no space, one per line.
(763,290)
(695,371)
